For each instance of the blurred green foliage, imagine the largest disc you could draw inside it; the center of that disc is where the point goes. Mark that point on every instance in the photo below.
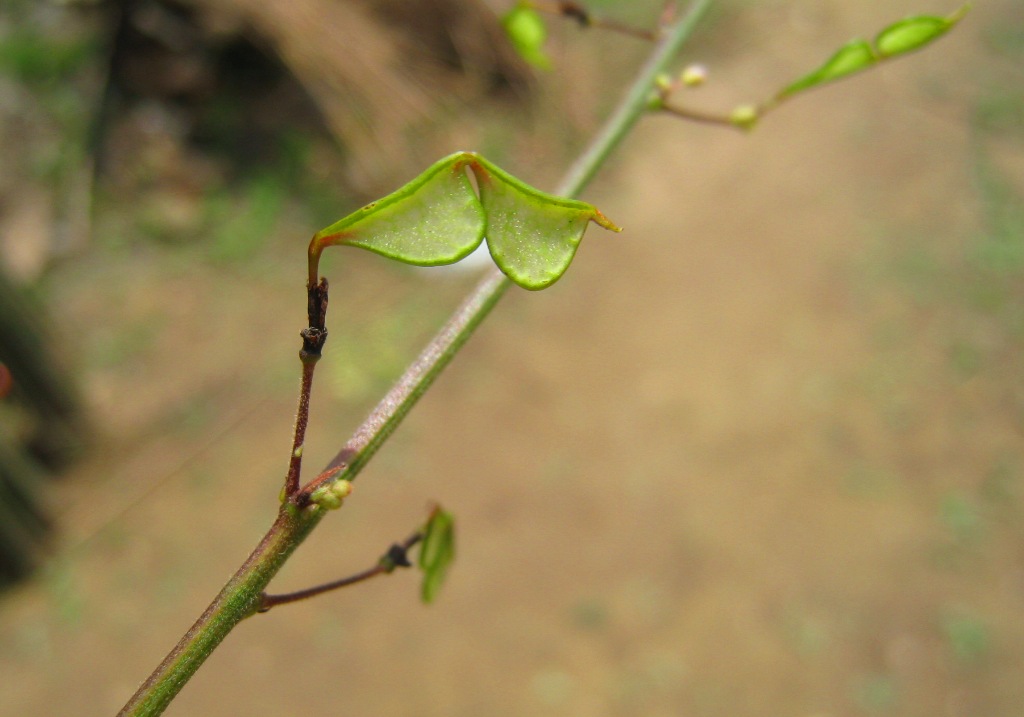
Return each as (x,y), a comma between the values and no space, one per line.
(967,636)
(41,61)
(876,693)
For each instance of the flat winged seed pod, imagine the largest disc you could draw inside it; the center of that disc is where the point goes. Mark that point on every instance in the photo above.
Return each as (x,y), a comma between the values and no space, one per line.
(438,219)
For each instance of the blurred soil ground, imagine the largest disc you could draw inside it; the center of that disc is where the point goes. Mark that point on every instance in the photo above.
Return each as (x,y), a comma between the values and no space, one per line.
(759,455)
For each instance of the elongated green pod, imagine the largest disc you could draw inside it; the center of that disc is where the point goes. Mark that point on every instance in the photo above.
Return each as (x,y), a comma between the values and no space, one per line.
(854,56)
(438,219)
(914,33)
(901,37)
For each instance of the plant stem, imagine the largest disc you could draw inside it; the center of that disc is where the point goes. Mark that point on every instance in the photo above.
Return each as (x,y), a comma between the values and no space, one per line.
(395,557)
(585,18)
(313,338)
(291,480)
(241,597)
(701,117)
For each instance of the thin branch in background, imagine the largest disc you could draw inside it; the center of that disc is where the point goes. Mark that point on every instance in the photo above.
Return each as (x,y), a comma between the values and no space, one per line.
(858,55)
(691,77)
(397,556)
(698,116)
(576,11)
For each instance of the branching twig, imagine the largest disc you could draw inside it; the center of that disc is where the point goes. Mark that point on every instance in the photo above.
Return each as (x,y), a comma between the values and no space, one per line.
(397,556)
(242,595)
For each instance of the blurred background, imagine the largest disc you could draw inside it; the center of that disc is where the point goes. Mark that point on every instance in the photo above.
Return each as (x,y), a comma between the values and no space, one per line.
(759,454)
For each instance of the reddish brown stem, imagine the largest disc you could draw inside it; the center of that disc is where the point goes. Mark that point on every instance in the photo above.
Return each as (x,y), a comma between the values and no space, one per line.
(395,557)
(291,481)
(313,338)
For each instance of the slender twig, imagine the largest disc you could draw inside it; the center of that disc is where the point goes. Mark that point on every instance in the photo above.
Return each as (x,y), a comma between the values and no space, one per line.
(396,557)
(291,481)
(585,18)
(241,596)
(697,115)
(313,338)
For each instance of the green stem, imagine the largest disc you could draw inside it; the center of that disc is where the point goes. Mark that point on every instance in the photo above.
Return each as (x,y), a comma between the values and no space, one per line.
(240,598)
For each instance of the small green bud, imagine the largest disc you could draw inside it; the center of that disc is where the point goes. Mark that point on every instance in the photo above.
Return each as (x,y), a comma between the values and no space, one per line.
(325,498)
(297,453)
(664,83)
(528,33)
(694,75)
(331,497)
(744,116)
(342,488)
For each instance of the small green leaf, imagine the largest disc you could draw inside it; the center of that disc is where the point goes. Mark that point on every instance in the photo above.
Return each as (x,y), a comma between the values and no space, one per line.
(435,219)
(436,552)
(532,236)
(853,57)
(915,32)
(528,33)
